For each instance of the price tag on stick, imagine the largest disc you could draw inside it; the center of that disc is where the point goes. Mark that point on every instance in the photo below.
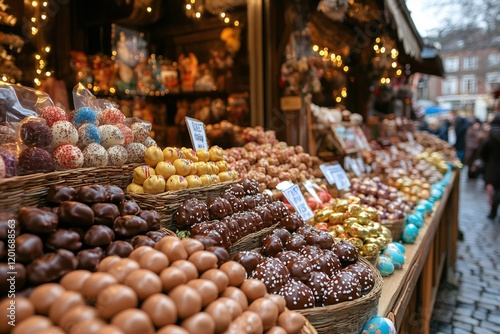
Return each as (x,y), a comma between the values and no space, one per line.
(297,200)
(335,174)
(197,133)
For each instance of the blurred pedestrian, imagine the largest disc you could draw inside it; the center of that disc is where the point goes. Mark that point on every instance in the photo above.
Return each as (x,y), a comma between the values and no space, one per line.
(490,153)
(461,125)
(471,155)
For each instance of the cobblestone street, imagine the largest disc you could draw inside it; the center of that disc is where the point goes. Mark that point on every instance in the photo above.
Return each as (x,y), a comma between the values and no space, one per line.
(473,306)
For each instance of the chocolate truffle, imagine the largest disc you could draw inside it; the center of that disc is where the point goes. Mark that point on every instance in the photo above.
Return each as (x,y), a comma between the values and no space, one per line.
(51,266)
(295,243)
(75,214)
(114,194)
(265,215)
(28,247)
(300,268)
(130,226)
(119,248)
(65,239)
(58,194)
(94,193)
(128,207)
(297,295)
(318,282)
(251,187)
(233,228)
(37,221)
(248,259)
(219,208)
(292,222)
(190,212)
(272,273)
(99,235)
(35,160)
(364,274)
(249,203)
(328,263)
(343,287)
(235,202)
(311,252)
(151,217)
(271,245)
(276,213)
(105,213)
(88,259)
(236,190)
(346,252)
(283,234)
(34,132)
(7,283)
(142,240)
(156,235)
(8,221)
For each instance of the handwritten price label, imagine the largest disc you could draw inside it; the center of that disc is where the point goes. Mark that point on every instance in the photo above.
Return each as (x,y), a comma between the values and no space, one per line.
(197,133)
(335,174)
(297,200)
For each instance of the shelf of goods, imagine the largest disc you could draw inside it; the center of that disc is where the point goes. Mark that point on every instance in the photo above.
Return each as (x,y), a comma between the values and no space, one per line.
(408,295)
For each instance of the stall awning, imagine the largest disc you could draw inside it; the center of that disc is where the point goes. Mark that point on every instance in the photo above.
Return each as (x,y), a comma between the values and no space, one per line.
(422,58)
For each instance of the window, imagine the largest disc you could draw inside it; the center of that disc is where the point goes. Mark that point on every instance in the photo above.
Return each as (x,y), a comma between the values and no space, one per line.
(494,59)
(450,86)
(451,64)
(470,63)
(492,81)
(468,84)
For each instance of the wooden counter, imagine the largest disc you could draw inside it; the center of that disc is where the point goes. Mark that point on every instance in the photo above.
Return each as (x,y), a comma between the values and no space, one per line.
(408,295)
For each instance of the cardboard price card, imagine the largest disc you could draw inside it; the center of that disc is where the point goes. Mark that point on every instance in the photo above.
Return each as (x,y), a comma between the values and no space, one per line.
(335,174)
(297,200)
(197,133)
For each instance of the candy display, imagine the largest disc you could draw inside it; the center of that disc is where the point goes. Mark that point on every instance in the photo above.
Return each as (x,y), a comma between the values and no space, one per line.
(179,168)
(175,287)
(76,231)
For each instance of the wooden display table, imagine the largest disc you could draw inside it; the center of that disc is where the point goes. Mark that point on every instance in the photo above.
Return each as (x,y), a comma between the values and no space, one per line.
(409,294)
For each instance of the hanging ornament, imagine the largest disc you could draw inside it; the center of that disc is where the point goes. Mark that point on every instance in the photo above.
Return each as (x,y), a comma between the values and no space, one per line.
(334,9)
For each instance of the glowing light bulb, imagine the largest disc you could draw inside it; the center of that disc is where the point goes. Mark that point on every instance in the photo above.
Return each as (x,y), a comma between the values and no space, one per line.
(382,80)
(399,72)
(382,49)
(197,15)
(188,6)
(226,20)
(223,15)
(394,64)
(34,3)
(47,74)
(33,19)
(47,49)
(43,16)
(37,57)
(34,30)
(387,80)
(45,3)
(236,23)
(149,9)
(315,48)
(346,68)
(338,99)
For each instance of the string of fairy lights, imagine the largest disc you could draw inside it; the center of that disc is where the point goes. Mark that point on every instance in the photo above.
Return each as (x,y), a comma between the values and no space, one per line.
(196,8)
(38,21)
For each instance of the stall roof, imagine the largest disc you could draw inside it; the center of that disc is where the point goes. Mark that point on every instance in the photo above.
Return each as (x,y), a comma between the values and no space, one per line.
(422,58)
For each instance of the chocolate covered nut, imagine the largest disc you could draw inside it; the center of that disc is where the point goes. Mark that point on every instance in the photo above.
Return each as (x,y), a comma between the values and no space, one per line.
(105,213)
(292,222)
(37,221)
(99,235)
(65,239)
(190,212)
(251,187)
(152,218)
(221,253)
(129,226)
(129,207)
(75,214)
(9,222)
(119,248)
(28,247)
(51,266)
(58,194)
(12,283)
(114,194)
(156,235)
(248,259)
(219,208)
(271,245)
(272,272)
(283,234)
(142,240)
(94,193)
(89,259)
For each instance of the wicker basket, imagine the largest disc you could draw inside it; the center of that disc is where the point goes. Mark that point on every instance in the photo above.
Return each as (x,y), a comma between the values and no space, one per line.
(167,203)
(396,227)
(308,329)
(347,317)
(251,241)
(31,190)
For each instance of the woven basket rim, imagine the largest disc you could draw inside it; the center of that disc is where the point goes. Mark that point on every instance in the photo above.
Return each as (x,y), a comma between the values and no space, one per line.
(182,191)
(375,292)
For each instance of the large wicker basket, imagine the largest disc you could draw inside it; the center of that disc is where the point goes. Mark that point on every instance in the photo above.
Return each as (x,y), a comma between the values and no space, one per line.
(167,203)
(308,329)
(251,241)
(31,190)
(347,317)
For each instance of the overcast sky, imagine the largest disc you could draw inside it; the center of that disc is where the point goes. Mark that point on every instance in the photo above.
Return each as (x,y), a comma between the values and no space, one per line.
(422,16)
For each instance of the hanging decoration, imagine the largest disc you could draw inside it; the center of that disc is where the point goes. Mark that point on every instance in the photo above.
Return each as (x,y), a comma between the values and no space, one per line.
(385,61)
(334,9)
(10,45)
(196,8)
(360,10)
(38,21)
(6,18)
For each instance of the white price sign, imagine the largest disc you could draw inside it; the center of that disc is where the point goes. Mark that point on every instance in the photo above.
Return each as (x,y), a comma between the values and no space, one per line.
(311,189)
(197,133)
(335,174)
(297,200)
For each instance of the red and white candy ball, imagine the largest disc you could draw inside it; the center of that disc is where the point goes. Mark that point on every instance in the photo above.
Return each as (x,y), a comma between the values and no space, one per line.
(95,155)
(128,137)
(64,133)
(68,157)
(53,114)
(112,116)
(111,135)
(117,155)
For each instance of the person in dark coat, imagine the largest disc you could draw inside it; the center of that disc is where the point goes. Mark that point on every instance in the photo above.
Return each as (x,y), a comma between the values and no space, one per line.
(490,153)
(461,125)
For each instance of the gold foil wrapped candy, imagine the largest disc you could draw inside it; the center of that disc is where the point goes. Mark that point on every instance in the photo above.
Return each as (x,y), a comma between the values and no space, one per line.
(370,250)
(338,229)
(323,215)
(354,209)
(336,218)
(373,213)
(364,218)
(356,242)
(383,242)
(341,205)
(358,231)
(354,200)
(386,233)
